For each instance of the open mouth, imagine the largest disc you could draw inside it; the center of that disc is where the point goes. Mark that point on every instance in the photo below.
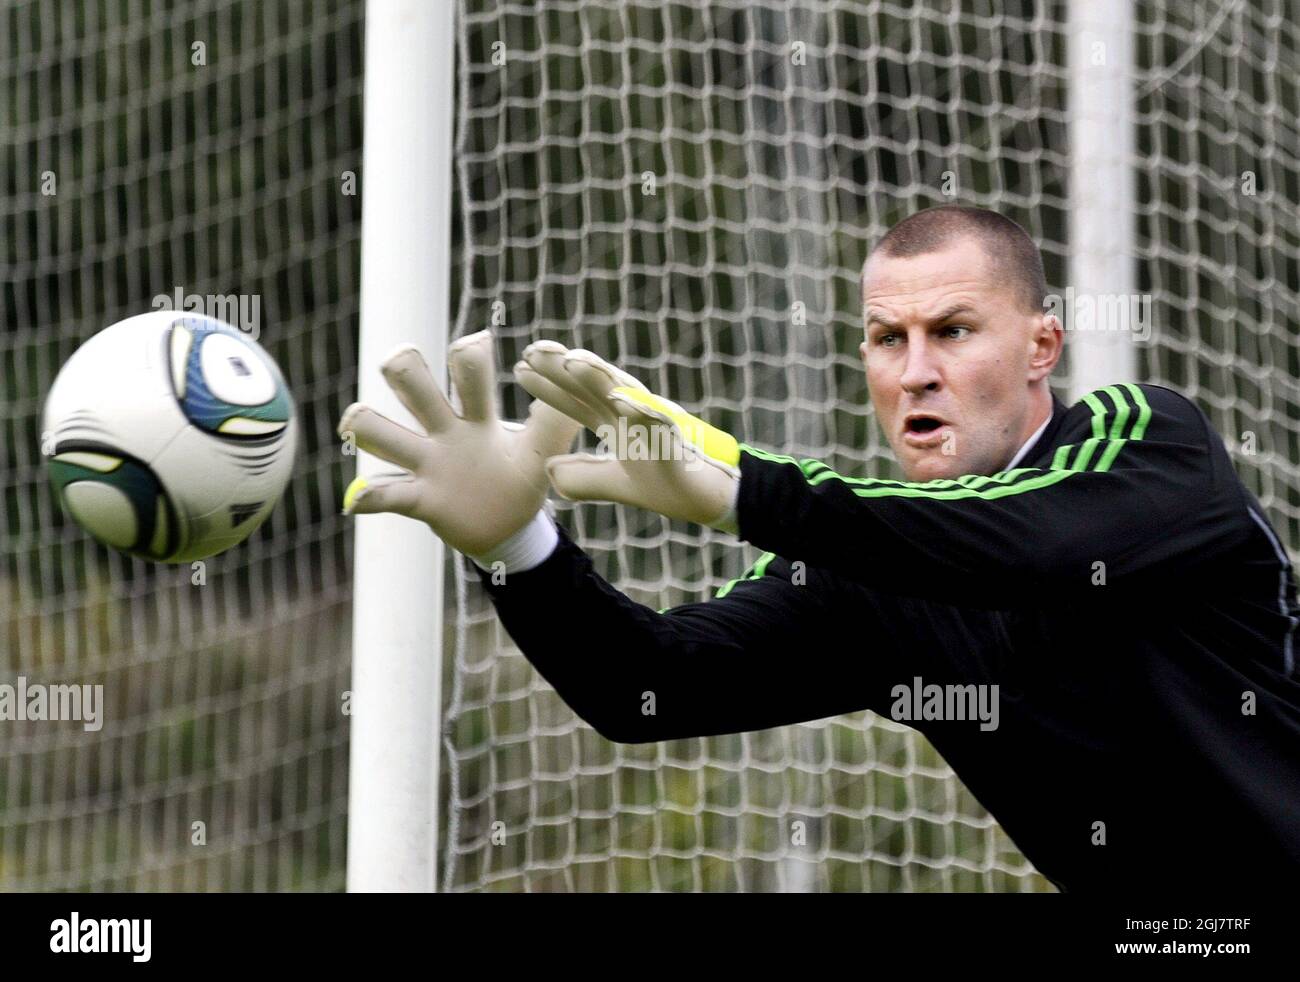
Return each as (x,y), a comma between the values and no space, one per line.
(923,424)
(924,431)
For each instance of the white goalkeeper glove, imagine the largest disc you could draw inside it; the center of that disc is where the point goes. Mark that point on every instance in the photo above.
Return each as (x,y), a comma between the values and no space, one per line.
(655,454)
(473,479)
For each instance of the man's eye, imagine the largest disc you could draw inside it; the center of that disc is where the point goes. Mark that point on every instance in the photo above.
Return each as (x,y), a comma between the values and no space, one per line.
(956,331)
(887,340)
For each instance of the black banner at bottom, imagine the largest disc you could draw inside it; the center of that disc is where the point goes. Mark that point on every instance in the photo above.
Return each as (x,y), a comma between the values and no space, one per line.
(705,933)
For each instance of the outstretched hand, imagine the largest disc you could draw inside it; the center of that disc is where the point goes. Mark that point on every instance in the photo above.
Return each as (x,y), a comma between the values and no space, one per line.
(472,478)
(655,455)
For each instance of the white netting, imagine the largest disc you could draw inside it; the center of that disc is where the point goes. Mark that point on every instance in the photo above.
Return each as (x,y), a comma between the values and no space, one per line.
(1219,227)
(779,139)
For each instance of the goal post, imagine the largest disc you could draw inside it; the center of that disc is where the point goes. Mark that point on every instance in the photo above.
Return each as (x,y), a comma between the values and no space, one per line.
(397,603)
(1103,226)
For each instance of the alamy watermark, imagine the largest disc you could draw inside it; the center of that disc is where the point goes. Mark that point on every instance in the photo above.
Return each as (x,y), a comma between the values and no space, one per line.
(102,935)
(920,701)
(242,311)
(637,441)
(25,701)
(1103,312)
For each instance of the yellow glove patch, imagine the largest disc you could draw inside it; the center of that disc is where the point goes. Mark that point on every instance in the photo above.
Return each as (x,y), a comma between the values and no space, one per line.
(708,440)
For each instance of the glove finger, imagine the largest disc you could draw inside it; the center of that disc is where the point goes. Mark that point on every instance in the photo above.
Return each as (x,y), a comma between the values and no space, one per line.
(408,375)
(548,359)
(543,389)
(382,437)
(472,361)
(593,360)
(397,493)
(586,477)
(548,431)
(596,378)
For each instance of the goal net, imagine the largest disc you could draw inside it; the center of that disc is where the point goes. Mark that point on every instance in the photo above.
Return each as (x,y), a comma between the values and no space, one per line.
(687,189)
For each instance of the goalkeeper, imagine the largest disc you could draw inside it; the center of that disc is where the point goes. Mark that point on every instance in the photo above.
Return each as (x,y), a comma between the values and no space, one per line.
(1101,564)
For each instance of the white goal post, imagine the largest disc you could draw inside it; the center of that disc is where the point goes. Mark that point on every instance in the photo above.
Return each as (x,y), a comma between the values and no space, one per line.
(405,297)
(1103,260)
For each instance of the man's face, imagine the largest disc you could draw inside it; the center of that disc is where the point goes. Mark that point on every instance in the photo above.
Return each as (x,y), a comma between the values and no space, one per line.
(950,354)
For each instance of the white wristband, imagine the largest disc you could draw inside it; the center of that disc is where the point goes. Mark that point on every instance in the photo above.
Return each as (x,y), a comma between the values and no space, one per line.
(730,522)
(528,547)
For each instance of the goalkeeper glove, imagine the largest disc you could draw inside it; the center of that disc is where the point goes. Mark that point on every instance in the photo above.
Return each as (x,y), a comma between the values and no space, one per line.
(473,479)
(664,459)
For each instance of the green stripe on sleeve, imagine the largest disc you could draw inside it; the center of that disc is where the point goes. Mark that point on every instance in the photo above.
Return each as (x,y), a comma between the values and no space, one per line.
(1095,455)
(755,572)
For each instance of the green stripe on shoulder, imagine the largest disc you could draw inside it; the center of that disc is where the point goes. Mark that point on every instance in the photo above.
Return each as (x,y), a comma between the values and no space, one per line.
(1132,412)
(1144,411)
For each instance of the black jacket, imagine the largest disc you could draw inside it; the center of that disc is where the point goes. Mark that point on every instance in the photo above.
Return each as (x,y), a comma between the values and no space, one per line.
(1121,588)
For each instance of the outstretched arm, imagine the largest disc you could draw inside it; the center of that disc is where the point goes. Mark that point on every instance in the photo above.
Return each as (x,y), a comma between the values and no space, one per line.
(776,648)
(1141,487)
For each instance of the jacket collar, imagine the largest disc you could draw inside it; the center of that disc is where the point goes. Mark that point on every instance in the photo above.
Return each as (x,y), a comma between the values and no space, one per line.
(1047,439)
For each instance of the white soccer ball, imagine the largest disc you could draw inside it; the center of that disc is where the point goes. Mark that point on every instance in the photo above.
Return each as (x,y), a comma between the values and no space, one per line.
(170,436)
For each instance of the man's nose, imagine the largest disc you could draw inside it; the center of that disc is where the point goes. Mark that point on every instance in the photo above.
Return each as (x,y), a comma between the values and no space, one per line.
(920,371)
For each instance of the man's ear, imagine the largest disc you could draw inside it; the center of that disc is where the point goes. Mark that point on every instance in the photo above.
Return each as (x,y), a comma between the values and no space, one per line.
(1048,342)
(862,350)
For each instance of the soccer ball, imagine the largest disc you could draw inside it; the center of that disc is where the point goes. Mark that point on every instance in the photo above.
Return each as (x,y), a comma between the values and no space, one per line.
(170,436)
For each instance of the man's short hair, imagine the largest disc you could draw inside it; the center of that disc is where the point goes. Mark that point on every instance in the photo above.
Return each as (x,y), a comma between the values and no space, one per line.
(1010,250)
